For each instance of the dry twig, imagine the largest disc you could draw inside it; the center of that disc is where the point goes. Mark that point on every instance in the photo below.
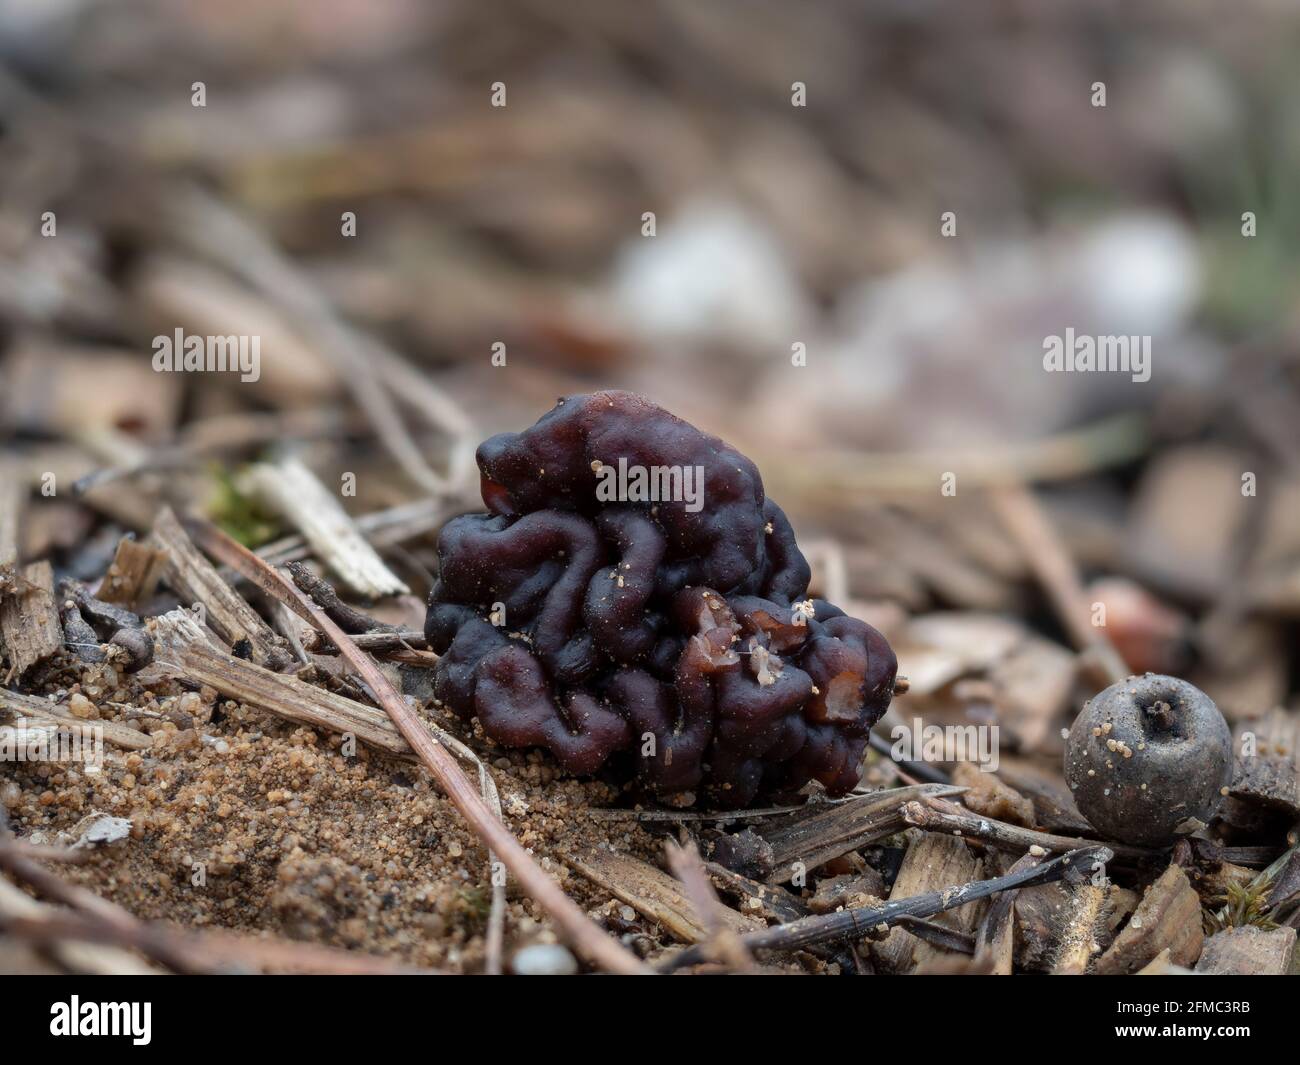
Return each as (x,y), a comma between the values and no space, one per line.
(857,922)
(587,939)
(1055,569)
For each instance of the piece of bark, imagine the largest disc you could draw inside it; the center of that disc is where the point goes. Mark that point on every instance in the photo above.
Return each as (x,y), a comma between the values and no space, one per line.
(1245,668)
(29,621)
(1079,939)
(195,580)
(294,492)
(933,863)
(653,894)
(183,650)
(1248,951)
(1267,776)
(850,889)
(31,708)
(767,901)
(169,291)
(1045,915)
(1032,687)
(75,391)
(995,941)
(935,815)
(839,828)
(1054,808)
(134,574)
(1169,915)
(1173,538)
(1286,885)
(990,796)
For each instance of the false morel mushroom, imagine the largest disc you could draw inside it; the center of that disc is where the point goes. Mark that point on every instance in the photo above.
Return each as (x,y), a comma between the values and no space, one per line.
(635,605)
(1147,758)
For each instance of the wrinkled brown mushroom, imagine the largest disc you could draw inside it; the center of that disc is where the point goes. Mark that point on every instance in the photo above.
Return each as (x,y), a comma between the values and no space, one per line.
(648,637)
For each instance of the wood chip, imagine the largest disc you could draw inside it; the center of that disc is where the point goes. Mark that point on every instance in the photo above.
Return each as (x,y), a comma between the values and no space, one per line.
(989,796)
(1248,951)
(1160,965)
(653,894)
(1169,916)
(1267,777)
(37,710)
(134,574)
(195,580)
(29,621)
(933,863)
(833,830)
(995,941)
(184,650)
(294,492)
(1174,538)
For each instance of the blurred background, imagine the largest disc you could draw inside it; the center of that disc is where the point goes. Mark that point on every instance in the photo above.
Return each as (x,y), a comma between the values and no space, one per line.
(780,220)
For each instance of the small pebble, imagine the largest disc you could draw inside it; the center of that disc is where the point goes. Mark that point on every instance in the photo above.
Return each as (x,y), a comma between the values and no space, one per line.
(83,708)
(544,959)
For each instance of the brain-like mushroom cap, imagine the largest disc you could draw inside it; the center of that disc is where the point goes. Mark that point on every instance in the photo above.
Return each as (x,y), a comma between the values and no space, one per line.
(590,616)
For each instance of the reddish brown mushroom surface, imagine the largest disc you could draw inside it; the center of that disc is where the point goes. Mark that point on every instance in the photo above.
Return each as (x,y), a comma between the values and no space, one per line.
(646,631)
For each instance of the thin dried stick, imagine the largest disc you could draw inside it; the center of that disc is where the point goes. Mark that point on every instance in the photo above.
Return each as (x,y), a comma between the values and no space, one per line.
(937,816)
(78,957)
(722,943)
(107,915)
(857,922)
(223,235)
(294,492)
(195,580)
(1029,526)
(322,593)
(376,642)
(993,942)
(586,937)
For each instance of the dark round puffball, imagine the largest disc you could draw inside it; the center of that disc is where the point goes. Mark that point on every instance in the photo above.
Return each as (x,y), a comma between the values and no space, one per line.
(1148,758)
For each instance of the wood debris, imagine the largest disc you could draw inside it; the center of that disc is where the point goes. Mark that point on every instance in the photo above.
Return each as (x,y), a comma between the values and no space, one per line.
(987,794)
(184,650)
(817,837)
(1265,782)
(933,863)
(1169,916)
(196,581)
(292,490)
(995,940)
(1248,951)
(134,574)
(654,894)
(30,632)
